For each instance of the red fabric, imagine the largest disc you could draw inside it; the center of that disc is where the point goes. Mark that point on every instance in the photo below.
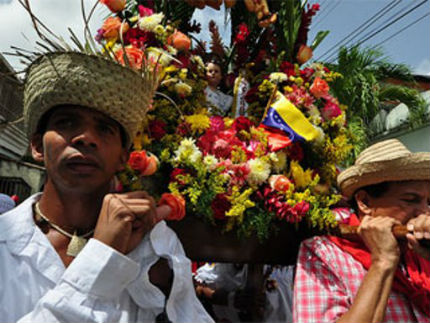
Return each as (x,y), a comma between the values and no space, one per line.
(417,286)
(276,139)
(327,281)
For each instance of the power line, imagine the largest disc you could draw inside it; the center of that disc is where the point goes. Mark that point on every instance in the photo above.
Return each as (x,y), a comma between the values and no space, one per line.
(383,28)
(377,15)
(403,29)
(327,13)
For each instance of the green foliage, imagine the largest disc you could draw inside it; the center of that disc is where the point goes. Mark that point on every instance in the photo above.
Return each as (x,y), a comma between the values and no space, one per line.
(364,88)
(289,20)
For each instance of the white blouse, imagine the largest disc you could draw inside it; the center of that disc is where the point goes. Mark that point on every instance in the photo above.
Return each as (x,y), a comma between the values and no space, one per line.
(100,285)
(217,98)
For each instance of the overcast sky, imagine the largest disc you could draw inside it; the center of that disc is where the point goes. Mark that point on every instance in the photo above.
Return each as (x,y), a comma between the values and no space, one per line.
(411,46)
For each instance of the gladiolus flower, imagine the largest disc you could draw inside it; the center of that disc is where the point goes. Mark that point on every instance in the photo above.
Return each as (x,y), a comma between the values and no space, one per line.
(304,54)
(114,5)
(319,87)
(176,203)
(179,40)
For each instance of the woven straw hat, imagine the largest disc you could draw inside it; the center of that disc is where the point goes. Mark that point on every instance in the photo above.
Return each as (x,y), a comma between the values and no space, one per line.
(385,161)
(73,78)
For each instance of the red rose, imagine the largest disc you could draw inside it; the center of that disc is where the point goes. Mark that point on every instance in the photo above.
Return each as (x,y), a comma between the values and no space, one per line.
(220,205)
(138,160)
(242,123)
(157,129)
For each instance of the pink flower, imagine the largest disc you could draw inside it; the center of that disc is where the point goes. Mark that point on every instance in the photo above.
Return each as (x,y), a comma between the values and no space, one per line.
(240,172)
(330,111)
(144,11)
(221,148)
(217,124)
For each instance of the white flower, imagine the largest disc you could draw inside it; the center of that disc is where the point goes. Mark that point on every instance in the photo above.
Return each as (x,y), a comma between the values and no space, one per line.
(279,161)
(188,151)
(314,115)
(149,23)
(259,171)
(278,77)
(321,135)
(210,161)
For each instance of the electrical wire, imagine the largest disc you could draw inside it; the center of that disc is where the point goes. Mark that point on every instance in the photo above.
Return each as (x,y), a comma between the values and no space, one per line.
(361,41)
(372,19)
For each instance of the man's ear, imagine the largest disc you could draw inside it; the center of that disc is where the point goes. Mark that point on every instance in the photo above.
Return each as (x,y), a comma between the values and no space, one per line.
(37,147)
(123,159)
(362,199)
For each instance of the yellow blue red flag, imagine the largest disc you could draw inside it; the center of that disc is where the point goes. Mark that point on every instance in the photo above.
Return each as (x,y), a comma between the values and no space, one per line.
(283,115)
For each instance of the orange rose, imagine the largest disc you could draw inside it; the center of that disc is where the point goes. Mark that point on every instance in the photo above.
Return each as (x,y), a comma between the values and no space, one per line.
(179,40)
(114,5)
(112,26)
(151,167)
(176,203)
(145,163)
(279,183)
(134,57)
(304,54)
(319,87)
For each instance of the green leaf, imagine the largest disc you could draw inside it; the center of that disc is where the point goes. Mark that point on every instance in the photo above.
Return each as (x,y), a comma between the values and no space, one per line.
(319,38)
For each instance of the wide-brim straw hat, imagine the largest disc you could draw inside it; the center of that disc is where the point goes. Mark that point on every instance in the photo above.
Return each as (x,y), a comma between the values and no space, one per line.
(385,161)
(80,79)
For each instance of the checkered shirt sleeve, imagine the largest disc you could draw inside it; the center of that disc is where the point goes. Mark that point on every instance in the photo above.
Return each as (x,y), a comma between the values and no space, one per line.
(327,280)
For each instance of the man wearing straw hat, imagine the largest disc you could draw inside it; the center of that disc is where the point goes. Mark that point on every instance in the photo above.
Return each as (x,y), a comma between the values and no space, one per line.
(375,279)
(82,112)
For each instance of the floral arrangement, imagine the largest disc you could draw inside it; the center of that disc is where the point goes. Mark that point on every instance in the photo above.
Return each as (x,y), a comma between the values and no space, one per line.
(236,173)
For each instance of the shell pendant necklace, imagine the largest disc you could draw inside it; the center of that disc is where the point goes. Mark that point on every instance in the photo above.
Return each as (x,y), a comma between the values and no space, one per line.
(76,244)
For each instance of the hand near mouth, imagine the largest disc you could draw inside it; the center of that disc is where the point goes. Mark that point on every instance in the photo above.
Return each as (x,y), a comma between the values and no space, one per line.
(125,219)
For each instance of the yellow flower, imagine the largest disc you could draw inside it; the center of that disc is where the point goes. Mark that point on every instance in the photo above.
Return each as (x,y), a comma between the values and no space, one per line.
(301,177)
(239,203)
(198,122)
(259,171)
(182,88)
(288,89)
(183,74)
(149,23)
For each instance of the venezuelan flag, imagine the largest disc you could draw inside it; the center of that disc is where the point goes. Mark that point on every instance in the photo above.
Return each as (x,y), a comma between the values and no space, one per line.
(283,115)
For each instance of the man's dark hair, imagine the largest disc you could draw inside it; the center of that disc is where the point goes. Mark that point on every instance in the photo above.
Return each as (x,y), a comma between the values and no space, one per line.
(43,124)
(375,190)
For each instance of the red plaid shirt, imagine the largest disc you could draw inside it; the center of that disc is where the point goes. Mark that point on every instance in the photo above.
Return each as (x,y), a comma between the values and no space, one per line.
(327,279)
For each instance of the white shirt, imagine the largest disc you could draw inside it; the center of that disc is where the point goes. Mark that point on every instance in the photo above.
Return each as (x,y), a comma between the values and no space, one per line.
(229,277)
(218,99)
(100,285)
